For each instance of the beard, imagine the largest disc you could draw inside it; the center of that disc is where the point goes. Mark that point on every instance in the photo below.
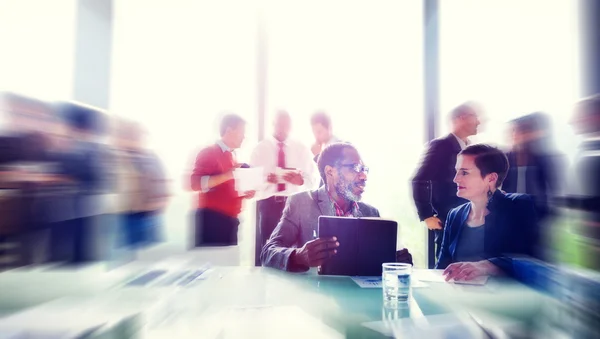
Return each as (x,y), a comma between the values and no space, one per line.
(346,189)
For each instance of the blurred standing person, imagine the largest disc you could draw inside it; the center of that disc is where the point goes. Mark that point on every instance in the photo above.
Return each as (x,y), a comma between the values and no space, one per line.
(29,185)
(143,184)
(586,122)
(219,204)
(84,162)
(586,169)
(534,163)
(279,151)
(323,132)
(434,191)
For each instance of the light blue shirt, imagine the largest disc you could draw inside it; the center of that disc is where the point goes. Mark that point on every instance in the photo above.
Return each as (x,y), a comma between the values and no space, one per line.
(204,180)
(224,147)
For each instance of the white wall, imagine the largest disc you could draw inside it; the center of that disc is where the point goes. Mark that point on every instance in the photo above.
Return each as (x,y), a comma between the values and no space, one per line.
(37,47)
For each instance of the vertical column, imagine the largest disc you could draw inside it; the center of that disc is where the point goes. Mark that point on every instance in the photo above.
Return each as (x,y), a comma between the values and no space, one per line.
(261,99)
(93,48)
(91,86)
(590,46)
(431,94)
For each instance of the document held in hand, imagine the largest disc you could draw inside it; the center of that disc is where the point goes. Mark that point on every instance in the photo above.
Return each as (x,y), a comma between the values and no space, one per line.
(280,172)
(248,179)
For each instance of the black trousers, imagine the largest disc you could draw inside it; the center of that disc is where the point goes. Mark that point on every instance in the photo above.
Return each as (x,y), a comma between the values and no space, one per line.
(213,228)
(269,214)
(435,246)
(69,239)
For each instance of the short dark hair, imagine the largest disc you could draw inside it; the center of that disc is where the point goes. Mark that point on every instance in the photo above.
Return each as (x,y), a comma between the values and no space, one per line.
(82,117)
(331,156)
(488,159)
(230,121)
(321,118)
(537,121)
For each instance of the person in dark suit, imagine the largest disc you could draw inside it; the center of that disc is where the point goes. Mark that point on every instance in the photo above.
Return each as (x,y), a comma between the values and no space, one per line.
(535,166)
(434,192)
(585,194)
(84,162)
(293,245)
(481,236)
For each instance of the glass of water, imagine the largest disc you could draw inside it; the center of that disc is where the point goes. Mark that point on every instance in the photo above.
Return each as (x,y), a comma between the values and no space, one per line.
(396,282)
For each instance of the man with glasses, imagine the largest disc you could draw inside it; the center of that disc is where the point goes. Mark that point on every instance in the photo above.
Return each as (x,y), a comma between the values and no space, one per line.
(293,245)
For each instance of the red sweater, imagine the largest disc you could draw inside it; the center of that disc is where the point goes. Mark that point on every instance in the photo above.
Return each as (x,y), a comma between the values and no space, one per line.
(223,198)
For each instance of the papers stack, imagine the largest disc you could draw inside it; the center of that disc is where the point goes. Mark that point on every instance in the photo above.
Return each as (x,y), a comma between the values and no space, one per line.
(248,179)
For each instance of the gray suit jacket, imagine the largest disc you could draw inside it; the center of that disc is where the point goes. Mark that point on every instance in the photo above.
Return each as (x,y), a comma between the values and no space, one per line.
(298,225)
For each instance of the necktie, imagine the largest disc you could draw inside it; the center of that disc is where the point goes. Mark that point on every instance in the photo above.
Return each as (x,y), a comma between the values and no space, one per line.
(281,163)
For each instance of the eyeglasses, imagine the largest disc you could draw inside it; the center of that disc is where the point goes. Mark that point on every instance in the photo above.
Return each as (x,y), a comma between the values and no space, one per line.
(358,168)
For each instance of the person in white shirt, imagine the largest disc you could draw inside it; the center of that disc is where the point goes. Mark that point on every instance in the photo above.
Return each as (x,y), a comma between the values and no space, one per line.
(321,127)
(278,151)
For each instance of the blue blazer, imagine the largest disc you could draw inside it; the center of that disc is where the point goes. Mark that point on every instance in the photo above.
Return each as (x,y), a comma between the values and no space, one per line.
(511,229)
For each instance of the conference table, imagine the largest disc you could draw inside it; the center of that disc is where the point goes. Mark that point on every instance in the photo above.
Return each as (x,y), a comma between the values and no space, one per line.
(238,302)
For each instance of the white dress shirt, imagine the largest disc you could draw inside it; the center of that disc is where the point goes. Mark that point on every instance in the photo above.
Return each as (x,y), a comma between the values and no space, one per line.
(461,142)
(297,156)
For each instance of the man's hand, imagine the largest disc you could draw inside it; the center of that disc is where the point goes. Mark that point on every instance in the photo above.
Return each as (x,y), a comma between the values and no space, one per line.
(315,252)
(249,194)
(433,223)
(272,178)
(470,270)
(404,256)
(294,178)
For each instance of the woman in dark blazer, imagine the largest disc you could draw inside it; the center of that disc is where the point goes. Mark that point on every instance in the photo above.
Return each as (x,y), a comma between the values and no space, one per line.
(482,235)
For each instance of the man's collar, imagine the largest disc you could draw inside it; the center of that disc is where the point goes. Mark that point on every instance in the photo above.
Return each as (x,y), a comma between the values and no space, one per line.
(223,147)
(354,210)
(277,142)
(461,142)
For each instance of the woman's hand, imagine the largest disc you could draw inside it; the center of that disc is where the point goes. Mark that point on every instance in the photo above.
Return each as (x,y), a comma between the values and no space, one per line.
(470,270)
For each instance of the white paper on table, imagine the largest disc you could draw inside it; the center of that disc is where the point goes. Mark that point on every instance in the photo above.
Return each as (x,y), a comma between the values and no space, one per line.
(434,326)
(281,172)
(376,282)
(479,281)
(248,179)
(429,275)
(258,321)
(437,276)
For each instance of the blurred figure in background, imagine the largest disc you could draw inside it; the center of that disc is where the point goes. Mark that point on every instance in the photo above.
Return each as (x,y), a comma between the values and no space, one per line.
(535,165)
(586,174)
(434,192)
(143,190)
(219,204)
(83,161)
(26,180)
(323,132)
(274,152)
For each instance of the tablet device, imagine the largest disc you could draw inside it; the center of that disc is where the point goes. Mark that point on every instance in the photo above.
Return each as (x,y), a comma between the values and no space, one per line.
(365,244)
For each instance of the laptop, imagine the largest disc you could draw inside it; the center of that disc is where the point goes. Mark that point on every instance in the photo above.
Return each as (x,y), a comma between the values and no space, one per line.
(365,244)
